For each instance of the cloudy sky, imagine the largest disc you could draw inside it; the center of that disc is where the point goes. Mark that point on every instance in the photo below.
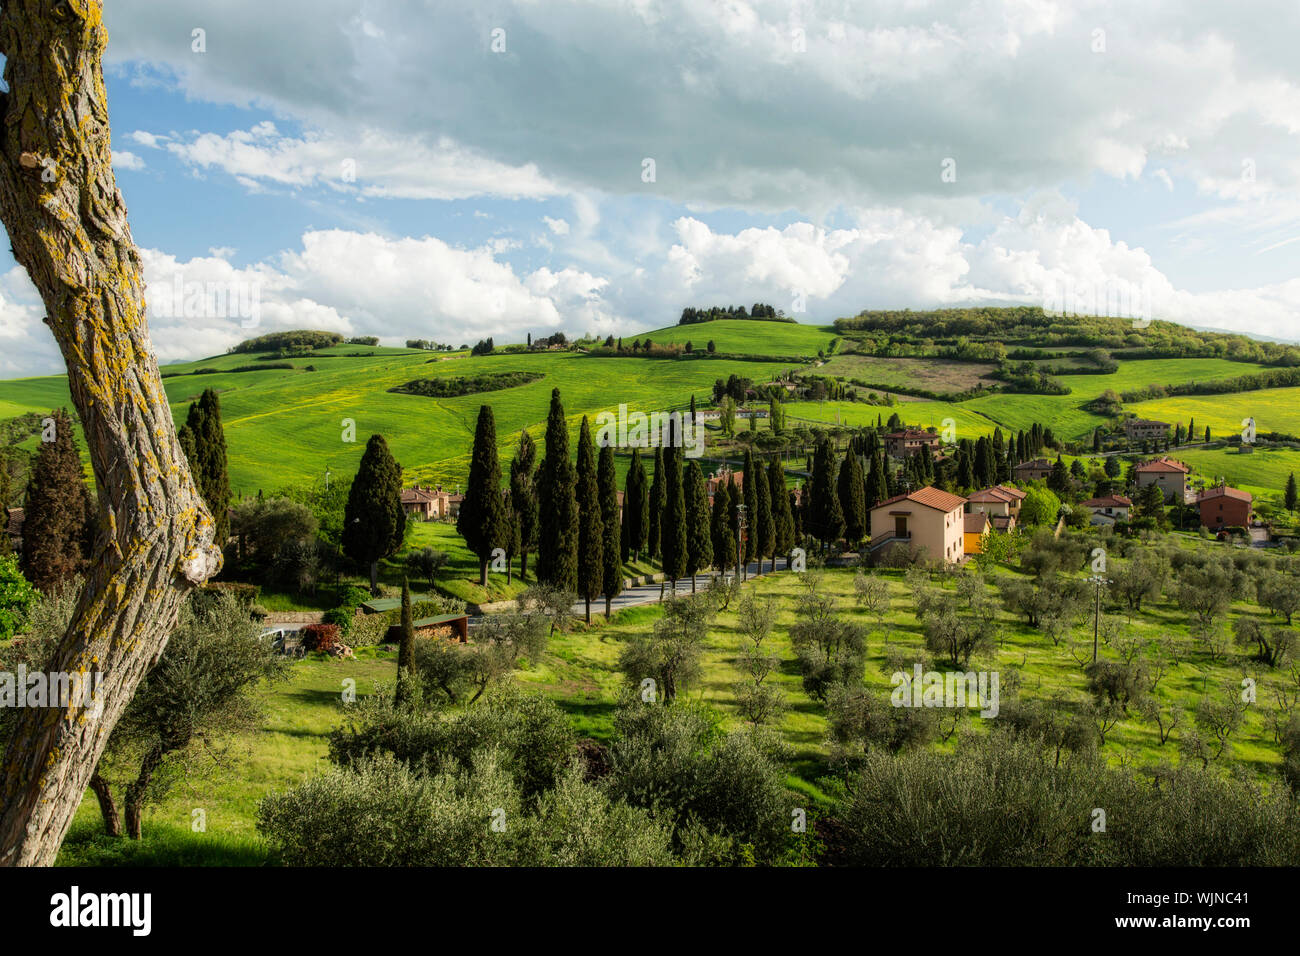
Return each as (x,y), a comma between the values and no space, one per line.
(451,170)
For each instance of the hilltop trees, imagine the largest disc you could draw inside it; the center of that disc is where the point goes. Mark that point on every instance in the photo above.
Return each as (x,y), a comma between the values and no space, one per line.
(58,523)
(373,521)
(204,443)
(636,509)
(591,529)
(607,479)
(523,497)
(557,538)
(483,520)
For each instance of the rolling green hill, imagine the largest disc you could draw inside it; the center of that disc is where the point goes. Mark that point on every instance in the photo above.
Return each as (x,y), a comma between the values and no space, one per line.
(285,426)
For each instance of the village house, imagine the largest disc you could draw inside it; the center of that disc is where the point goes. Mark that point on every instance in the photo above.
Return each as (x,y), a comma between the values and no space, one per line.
(1035,470)
(1224,507)
(721,478)
(1108,509)
(909,442)
(430,504)
(1144,429)
(977,528)
(1001,503)
(928,521)
(1168,475)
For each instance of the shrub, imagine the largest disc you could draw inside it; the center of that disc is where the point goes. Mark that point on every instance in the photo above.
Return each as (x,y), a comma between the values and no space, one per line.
(320,637)
(342,618)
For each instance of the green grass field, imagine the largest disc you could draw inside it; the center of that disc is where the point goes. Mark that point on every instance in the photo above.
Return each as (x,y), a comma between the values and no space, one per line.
(746,336)
(1274,410)
(288,426)
(580,672)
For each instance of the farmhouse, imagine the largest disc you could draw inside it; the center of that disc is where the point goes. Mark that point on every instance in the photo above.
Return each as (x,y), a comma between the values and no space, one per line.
(1224,507)
(721,478)
(977,527)
(1144,429)
(1108,509)
(1001,503)
(927,520)
(1169,475)
(1035,470)
(908,442)
(428,504)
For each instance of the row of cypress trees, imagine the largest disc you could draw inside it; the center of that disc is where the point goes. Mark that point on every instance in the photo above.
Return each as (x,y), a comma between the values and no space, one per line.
(567,511)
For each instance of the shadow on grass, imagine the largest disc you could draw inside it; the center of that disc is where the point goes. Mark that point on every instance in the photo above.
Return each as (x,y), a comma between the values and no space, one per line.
(88,845)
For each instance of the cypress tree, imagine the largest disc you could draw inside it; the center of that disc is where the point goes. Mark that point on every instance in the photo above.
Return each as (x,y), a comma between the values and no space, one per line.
(782,519)
(877,485)
(699,541)
(656,507)
(673,529)
(482,521)
(591,529)
(607,478)
(851,490)
(557,527)
(523,497)
(764,525)
(965,473)
(58,515)
(373,520)
(750,490)
(406,648)
(724,539)
(636,509)
(1290,492)
(208,463)
(825,517)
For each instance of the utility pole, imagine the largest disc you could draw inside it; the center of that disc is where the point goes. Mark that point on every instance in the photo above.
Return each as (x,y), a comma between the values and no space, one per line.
(1097,581)
(742,566)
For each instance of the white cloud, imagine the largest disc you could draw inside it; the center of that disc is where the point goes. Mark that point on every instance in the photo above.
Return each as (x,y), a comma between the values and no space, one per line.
(369,164)
(557,226)
(124,159)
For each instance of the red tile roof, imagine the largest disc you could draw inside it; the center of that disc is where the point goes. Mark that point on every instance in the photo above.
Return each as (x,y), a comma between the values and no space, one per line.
(1108,501)
(1225,492)
(998,493)
(1165,465)
(976,522)
(929,496)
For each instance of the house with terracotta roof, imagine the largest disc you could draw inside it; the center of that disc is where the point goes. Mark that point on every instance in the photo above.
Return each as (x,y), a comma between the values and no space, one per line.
(909,441)
(928,521)
(1108,509)
(1167,474)
(976,528)
(1001,503)
(1035,470)
(425,504)
(1224,507)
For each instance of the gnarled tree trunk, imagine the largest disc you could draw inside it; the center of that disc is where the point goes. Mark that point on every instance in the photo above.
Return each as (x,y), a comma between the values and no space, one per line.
(67,223)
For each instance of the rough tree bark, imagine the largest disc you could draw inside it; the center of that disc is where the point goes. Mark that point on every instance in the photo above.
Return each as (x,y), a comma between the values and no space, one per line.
(67,223)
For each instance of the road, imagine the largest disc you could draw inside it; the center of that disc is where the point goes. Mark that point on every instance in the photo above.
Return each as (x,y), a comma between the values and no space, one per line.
(650,593)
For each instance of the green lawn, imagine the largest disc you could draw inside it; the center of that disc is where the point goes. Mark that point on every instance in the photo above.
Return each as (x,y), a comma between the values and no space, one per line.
(1274,410)
(289,426)
(747,336)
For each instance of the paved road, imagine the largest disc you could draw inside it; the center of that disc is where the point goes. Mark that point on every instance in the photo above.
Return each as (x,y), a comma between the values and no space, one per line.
(650,593)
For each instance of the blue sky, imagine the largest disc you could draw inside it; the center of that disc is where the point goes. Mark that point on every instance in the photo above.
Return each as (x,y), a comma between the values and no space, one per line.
(448,170)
